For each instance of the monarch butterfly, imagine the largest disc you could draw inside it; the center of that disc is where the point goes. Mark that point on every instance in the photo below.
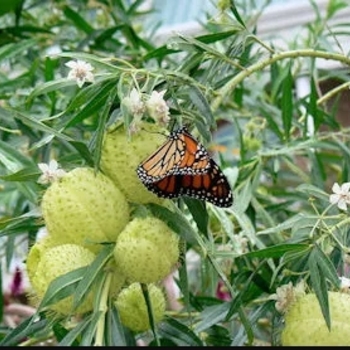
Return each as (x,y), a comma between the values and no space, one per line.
(182,166)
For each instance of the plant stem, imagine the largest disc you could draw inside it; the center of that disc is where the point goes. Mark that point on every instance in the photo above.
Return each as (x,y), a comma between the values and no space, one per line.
(146,295)
(231,84)
(103,307)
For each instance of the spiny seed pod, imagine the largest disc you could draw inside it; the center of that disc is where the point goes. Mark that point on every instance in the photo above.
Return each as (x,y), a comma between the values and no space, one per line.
(121,156)
(36,252)
(85,208)
(53,263)
(132,307)
(305,324)
(147,250)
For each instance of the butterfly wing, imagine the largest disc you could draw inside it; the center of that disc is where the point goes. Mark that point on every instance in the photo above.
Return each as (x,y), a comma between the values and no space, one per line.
(211,186)
(168,187)
(180,154)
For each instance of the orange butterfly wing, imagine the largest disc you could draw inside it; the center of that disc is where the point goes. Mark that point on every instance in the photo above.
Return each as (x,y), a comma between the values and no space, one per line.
(183,167)
(180,154)
(211,186)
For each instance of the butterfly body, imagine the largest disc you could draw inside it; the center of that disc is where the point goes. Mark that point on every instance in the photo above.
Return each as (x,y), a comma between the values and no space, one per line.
(183,167)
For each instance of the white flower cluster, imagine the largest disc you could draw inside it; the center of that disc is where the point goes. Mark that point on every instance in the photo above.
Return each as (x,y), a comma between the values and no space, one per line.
(286,295)
(155,105)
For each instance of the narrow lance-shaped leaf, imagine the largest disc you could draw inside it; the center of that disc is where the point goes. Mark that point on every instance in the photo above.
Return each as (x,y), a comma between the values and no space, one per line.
(319,285)
(61,287)
(70,337)
(78,20)
(115,335)
(179,333)
(96,142)
(91,273)
(200,101)
(287,103)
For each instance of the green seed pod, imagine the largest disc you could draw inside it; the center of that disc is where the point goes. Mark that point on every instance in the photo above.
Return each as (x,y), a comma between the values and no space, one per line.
(36,252)
(132,307)
(305,325)
(84,208)
(147,250)
(55,262)
(121,156)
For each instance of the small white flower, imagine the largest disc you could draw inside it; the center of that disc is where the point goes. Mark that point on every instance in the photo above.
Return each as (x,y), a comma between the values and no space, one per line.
(81,71)
(134,103)
(50,172)
(286,295)
(157,108)
(341,195)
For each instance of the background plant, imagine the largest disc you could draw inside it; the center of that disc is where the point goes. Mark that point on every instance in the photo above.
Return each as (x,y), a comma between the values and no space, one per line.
(281,227)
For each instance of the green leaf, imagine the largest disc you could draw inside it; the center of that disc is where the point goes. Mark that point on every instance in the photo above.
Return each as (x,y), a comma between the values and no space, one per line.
(83,151)
(50,86)
(61,332)
(19,224)
(96,61)
(319,284)
(12,158)
(25,329)
(236,14)
(78,20)
(202,104)
(178,333)
(218,336)
(312,110)
(212,315)
(91,272)
(176,222)
(326,266)
(115,335)
(70,338)
(214,37)
(287,103)
(15,49)
(277,251)
(202,47)
(184,283)
(97,100)
(35,124)
(285,225)
(31,173)
(159,53)
(199,213)
(62,286)
(97,139)
(89,332)
(313,191)
(333,6)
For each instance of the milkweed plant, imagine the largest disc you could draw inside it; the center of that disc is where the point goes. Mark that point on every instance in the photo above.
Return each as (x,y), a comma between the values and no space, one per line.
(89,90)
